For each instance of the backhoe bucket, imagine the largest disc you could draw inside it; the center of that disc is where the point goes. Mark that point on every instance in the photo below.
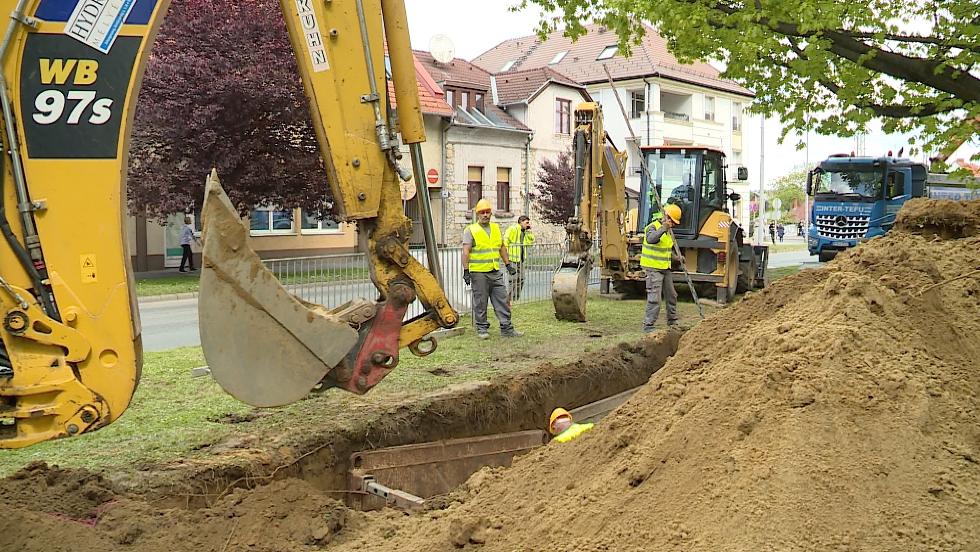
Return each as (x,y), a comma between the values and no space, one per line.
(264,346)
(569,289)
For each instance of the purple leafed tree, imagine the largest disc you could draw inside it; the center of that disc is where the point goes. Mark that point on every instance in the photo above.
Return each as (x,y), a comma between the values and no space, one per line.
(222,90)
(555,189)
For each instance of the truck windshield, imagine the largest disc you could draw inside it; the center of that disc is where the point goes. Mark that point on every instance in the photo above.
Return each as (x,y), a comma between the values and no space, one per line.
(857,184)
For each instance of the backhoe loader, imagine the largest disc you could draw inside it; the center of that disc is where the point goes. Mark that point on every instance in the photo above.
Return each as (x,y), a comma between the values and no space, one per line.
(717,262)
(70,355)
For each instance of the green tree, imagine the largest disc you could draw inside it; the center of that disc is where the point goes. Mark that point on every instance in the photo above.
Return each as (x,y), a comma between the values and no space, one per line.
(826,64)
(789,189)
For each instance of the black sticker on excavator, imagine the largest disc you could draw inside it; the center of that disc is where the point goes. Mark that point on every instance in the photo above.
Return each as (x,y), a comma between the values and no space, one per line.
(73,97)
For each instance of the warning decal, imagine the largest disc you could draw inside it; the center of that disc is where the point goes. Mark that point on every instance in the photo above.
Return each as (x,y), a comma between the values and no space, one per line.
(89,273)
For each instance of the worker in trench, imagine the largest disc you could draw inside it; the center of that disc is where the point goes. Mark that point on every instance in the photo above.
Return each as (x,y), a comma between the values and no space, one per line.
(656,257)
(560,425)
(483,254)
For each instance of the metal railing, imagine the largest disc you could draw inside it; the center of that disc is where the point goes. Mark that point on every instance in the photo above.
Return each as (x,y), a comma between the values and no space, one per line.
(333,280)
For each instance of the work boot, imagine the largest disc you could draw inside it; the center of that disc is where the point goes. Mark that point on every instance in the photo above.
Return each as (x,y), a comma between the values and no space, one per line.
(482,335)
(512,333)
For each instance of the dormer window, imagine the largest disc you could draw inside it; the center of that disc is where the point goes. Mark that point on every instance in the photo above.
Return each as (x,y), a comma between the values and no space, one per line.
(507,66)
(608,52)
(558,57)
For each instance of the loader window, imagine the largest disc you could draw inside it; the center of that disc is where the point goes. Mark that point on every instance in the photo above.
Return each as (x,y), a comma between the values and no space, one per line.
(675,175)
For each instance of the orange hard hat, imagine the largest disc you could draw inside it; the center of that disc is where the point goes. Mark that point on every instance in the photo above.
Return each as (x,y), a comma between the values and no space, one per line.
(674,212)
(555,414)
(483,205)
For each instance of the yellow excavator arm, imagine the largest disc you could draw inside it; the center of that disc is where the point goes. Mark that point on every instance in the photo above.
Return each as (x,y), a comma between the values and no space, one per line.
(599,209)
(70,355)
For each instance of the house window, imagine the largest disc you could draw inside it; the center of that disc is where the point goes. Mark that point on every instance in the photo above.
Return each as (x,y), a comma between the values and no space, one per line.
(479,102)
(464,100)
(558,57)
(638,103)
(563,116)
(266,220)
(608,52)
(474,185)
(314,224)
(503,189)
(709,108)
(737,116)
(450,98)
(507,66)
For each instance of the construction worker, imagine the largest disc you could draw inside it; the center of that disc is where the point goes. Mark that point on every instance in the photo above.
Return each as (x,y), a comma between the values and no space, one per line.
(483,255)
(517,240)
(561,426)
(657,253)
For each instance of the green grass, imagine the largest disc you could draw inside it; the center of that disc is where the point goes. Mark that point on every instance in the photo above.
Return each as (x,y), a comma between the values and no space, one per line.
(786,247)
(176,416)
(190,282)
(782,272)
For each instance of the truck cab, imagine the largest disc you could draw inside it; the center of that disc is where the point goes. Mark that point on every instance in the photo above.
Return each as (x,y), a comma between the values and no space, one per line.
(856,199)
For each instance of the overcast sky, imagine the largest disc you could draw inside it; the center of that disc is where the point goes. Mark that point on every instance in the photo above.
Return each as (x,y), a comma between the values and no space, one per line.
(476,27)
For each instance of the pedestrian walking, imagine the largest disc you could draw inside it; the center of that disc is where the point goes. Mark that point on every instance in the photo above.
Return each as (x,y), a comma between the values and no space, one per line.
(655,258)
(517,239)
(187,237)
(781,231)
(772,232)
(483,255)
(799,229)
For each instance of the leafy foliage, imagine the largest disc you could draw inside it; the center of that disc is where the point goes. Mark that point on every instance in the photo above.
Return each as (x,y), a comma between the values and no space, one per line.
(789,189)
(823,64)
(222,90)
(554,194)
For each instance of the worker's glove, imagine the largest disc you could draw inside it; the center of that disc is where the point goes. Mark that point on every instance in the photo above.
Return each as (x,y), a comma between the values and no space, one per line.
(511,269)
(467,279)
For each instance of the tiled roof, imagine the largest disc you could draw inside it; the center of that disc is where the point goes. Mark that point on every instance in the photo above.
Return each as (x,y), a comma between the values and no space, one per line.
(431,97)
(462,73)
(521,86)
(649,58)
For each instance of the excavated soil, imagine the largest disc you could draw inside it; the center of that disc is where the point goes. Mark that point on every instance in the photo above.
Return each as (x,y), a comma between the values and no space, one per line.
(290,500)
(836,410)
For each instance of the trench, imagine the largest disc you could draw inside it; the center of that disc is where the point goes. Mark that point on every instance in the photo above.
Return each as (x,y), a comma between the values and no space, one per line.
(512,403)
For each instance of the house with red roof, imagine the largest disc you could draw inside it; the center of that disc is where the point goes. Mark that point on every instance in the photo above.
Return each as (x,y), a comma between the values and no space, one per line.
(667,102)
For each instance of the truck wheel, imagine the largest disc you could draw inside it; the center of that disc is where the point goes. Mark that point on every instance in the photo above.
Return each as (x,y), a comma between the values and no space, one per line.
(826,256)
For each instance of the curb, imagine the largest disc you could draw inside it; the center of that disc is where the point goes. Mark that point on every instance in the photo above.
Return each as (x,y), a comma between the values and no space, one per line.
(169,297)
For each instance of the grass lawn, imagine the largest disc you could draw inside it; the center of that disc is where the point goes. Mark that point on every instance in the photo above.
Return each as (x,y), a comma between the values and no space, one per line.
(786,247)
(782,272)
(190,282)
(176,416)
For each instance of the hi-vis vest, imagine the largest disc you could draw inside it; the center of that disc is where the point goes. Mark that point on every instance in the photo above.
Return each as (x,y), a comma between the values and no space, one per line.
(516,250)
(485,253)
(572,432)
(657,255)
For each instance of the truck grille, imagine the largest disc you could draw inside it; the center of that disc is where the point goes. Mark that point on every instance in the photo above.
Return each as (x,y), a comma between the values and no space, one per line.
(842,227)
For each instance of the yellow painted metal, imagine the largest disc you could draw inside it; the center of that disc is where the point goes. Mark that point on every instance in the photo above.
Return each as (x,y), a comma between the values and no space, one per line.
(403,71)
(80,373)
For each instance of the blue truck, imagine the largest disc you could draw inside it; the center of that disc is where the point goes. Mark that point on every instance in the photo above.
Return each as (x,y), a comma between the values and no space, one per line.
(856,199)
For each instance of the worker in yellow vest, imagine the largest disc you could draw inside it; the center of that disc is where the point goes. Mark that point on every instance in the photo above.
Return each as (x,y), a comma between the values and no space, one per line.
(517,239)
(561,426)
(656,256)
(483,255)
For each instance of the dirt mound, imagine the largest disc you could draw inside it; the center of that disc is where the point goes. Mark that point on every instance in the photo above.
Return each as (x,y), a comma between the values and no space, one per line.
(946,219)
(836,410)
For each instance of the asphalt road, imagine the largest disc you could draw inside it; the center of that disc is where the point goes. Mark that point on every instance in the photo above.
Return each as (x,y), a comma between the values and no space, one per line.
(171,324)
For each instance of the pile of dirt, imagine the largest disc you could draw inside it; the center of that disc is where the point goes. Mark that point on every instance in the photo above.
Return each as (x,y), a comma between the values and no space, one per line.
(837,410)
(946,219)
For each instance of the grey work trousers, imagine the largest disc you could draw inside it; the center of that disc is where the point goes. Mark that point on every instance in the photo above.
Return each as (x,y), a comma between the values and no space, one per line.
(490,285)
(516,282)
(660,283)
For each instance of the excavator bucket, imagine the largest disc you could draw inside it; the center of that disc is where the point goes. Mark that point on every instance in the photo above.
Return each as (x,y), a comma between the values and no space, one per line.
(569,287)
(264,346)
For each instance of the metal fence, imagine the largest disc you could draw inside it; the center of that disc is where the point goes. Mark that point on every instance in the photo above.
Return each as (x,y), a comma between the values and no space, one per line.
(332,280)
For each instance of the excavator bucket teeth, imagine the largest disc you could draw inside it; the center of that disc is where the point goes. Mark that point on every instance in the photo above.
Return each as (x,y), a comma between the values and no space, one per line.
(264,346)
(569,288)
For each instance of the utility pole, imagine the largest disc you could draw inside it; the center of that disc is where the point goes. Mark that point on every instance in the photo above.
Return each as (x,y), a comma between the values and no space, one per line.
(761,230)
(806,198)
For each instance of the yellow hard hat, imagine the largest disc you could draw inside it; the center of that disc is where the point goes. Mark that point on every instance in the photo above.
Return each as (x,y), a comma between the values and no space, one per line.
(555,414)
(674,212)
(483,205)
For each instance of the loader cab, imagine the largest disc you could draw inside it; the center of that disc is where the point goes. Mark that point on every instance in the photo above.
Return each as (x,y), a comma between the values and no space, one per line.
(690,177)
